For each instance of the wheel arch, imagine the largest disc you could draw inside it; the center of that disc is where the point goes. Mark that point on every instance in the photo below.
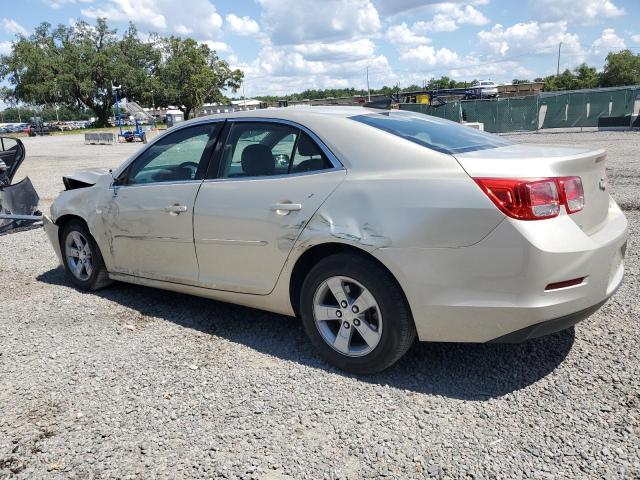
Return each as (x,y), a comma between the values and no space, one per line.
(63,220)
(313,255)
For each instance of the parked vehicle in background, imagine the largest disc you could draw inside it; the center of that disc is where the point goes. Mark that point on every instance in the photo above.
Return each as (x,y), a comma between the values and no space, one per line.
(376,227)
(488,88)
(37,128)
(15,127)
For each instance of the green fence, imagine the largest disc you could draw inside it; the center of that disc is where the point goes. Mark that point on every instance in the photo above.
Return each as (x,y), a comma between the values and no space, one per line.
(449,111)
(588,108)
(582,108)
(503,114)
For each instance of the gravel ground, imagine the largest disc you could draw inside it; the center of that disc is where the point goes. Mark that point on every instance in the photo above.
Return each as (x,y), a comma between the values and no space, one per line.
(132,382)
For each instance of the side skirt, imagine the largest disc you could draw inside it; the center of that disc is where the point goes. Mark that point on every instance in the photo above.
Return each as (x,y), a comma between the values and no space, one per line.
(262,302)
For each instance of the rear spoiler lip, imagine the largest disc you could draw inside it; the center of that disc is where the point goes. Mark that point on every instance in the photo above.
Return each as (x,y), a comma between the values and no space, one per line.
(516,161)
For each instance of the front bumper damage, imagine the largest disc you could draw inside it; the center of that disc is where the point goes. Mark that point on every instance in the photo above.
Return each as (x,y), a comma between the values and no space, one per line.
(51,229)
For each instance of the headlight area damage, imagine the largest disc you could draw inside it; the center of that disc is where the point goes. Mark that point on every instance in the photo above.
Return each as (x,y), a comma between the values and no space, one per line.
(83,178)
(18,201)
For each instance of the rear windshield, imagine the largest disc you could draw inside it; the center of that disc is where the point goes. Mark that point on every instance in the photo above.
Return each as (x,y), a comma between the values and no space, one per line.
(432,132)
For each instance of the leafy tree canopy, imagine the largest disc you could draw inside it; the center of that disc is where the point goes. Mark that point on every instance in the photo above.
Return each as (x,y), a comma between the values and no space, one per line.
(76,66)
(622,68)
(190,75)
(48,113)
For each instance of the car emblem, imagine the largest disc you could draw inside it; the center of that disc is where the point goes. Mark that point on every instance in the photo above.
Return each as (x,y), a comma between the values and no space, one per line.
(602,185)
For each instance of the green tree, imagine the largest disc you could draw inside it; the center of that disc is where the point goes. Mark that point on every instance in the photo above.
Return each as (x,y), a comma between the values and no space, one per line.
(622,68)
(582,76)
(191,74)
(586,76)
(75,66)
(48,113)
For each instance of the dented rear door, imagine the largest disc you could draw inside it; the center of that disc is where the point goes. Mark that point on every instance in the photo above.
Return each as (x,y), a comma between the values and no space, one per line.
(242,239)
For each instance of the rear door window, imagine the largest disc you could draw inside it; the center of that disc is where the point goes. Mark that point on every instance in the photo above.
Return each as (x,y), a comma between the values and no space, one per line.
(432,132)
(263,149)
(309,157)
(258,149)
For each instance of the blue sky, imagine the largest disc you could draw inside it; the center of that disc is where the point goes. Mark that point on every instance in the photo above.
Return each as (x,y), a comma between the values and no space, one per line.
(290,45)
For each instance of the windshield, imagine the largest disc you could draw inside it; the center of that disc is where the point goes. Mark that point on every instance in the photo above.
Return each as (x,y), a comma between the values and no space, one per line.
(432,132)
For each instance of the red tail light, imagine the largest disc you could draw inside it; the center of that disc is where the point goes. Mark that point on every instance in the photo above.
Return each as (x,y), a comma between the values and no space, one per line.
(534,199)
(523,199)
(572,193)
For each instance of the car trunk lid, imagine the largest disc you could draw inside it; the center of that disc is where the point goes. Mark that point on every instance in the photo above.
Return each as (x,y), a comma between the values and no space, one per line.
(537,161)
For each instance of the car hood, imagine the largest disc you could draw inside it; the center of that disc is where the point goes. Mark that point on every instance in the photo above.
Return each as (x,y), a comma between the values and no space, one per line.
(84,178)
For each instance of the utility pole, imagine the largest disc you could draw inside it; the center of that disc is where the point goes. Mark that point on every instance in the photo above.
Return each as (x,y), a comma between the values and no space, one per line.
(244,98)
(115,86)
(153,111)
(558,70)
(368,90)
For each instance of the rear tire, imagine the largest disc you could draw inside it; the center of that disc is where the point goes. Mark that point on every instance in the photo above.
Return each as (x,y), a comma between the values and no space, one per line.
(82,258)
(367,329)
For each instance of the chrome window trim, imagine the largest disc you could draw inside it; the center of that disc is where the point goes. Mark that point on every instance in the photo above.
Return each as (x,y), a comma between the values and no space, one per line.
(151,184)
(266,177)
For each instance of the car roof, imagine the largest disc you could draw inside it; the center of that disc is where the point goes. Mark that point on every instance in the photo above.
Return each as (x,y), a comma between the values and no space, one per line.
(296,113)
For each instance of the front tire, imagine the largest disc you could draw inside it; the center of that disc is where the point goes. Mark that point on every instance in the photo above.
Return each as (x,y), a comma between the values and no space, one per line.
(82,258)
(355,314)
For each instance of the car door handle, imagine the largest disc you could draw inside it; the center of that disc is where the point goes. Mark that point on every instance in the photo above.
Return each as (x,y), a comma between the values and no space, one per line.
(286,208)
(175,209)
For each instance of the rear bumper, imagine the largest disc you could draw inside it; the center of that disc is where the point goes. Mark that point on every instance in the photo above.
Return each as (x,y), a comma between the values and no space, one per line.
(495,290)
(51,230)
(548,327)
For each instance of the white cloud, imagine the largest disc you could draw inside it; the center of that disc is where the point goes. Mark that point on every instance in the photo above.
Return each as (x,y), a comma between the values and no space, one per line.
(429,56)
(282,69)
(244,26)
(531,38)
(286,61)
(449,17)
(403,35)
(185,17)
(495,71)
(635,38)
(59,3)
(301,21)
(219,47)
(337,51)
(608,41)
(395,7)
(439,23)
(182,30)
(5,48)
(9,25)
(580,12)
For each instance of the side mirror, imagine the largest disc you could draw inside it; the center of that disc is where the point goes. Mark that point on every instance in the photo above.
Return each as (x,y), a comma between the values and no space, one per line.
(121,180)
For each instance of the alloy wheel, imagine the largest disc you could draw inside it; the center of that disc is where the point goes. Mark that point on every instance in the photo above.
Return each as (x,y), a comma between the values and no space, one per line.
(347,316)
(79,255)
